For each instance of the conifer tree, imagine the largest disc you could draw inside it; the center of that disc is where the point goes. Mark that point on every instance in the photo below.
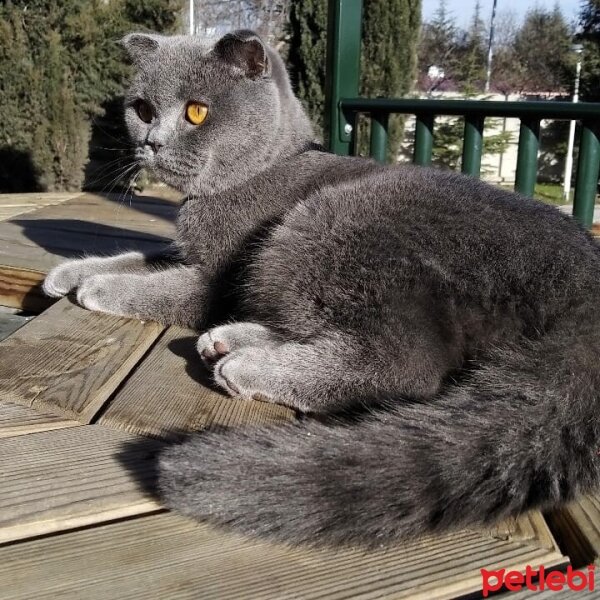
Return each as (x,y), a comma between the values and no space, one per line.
(471,55)
(60,61)
(306,57)
(389,57)
(390,30)
(589,21)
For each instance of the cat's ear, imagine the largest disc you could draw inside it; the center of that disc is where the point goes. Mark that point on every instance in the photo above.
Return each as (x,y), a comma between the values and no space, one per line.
(141,46)
(245,50)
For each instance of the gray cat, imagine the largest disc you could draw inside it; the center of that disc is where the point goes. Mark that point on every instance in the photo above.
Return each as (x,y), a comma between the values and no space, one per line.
(456,322)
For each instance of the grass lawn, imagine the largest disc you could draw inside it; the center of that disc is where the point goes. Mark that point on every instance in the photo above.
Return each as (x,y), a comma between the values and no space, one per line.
(550,193)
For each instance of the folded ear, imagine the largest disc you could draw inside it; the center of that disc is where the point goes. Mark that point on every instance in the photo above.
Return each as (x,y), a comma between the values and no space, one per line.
(141,46)
(245,50)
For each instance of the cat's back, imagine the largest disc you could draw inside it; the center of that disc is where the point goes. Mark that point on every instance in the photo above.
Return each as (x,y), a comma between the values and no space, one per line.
(382,220)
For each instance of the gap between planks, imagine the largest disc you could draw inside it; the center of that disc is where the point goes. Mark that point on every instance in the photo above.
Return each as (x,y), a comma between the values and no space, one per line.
(12,205)
(72,477)
(21,288)
(577,527)
(170,557)
(20,420)
(168,395)
(69,361)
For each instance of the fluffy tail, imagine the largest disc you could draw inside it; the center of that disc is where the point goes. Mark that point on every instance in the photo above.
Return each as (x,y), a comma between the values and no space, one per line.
(523,432)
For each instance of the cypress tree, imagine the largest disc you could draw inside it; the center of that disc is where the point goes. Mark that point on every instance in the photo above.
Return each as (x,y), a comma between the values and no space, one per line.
(306,56)
(389,56)
(390,31)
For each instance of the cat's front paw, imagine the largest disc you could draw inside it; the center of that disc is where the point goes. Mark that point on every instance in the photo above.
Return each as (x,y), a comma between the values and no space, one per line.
(67,276)
(242,374)
(105,293)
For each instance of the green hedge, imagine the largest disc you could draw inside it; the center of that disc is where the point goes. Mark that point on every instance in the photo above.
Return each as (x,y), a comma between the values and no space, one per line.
(61,64)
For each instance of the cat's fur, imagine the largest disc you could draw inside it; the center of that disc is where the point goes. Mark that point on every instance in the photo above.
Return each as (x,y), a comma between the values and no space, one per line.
(470,313)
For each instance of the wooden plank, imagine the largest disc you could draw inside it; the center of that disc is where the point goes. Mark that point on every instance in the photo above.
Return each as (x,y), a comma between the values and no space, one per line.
(12,205)
(88,223)
(565,594)
(577,526)
(167,395)
(113,209)
(171,557)
(69,360)
(41,245)
(20,420)
(57,480)
(526,528)
(21,288)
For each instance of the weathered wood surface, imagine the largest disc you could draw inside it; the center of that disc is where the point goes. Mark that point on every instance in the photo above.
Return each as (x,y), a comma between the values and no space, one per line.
(578,524)
(71,477)
(565,594)
(164,556)
(20,420)
(21,288)
(168,395)
(12,205)
(87,224)
(77,367)
(69,361)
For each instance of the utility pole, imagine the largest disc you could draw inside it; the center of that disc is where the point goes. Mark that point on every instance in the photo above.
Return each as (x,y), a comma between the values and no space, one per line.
(490,53)
(577,49)
(192,17)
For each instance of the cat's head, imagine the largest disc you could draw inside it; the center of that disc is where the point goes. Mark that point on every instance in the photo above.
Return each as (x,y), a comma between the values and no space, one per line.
(207,117)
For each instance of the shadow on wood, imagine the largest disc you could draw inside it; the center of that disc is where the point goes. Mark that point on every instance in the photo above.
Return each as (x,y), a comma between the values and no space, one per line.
(71,238)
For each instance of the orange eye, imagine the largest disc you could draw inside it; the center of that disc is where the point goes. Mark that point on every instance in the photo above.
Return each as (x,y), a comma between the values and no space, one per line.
(196,113)
(144,111)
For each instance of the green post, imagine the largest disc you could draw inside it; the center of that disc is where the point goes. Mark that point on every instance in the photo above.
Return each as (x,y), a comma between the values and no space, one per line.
(588,167)
(379,136)
(527,159)
(343,69)
(472,145)
(423,140)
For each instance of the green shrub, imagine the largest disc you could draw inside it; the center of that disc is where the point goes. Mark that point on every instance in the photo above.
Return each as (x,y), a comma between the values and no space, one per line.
(61,63)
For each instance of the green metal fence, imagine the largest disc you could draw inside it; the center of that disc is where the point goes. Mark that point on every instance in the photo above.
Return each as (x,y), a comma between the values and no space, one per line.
(344,105)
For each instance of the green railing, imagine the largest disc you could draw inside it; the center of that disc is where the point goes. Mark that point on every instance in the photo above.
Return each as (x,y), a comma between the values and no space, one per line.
(343,107)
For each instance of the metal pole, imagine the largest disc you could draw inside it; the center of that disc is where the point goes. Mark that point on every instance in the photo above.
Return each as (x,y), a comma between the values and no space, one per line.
(379,136)
(527,159)
(588,168)
(490,53)
(343,70)
(191,17)
(571,144)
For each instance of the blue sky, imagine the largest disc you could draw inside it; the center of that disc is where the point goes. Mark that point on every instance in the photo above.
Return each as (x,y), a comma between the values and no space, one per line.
(463,9)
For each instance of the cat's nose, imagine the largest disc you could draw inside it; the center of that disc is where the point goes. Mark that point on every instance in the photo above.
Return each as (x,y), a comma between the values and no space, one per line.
(156,146)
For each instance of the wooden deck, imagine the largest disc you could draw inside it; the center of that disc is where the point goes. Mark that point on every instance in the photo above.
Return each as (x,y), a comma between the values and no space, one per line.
(87,399)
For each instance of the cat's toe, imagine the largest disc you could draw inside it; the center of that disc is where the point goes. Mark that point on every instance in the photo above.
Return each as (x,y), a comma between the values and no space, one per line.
(241,376)
(211,350)
(102,293)
(220,341)
(62,279)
